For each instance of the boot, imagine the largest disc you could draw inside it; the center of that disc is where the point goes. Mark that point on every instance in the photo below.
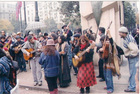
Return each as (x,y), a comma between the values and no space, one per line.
(56,91)
(52,92)
(82,91)
(87,89)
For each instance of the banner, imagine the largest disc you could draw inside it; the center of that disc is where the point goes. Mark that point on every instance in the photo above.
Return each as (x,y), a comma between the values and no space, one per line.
(18,7)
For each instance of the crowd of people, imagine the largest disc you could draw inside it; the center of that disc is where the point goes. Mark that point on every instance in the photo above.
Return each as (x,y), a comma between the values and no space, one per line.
(58,52)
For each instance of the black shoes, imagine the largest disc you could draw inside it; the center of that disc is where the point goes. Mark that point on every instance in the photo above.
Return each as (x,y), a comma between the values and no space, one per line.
(98,76)
(128,90)
(82,91)
(101,80)
(87,89)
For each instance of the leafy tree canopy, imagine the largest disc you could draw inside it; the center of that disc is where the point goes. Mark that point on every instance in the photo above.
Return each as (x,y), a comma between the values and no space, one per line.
(129,16)
(71,11)
(51,25)
(6,25)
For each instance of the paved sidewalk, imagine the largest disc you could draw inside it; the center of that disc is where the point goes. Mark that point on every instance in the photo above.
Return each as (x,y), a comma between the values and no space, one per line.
(26,81)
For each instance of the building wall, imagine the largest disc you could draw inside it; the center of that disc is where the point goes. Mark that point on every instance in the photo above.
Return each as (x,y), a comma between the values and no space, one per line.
(7,10)
(111,11)
(45,10)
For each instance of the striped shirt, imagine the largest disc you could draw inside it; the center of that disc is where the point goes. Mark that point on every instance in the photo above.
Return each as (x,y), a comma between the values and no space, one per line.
(129,38)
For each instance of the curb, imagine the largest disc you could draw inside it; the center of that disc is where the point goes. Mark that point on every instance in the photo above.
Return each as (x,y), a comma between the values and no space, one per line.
(60,91)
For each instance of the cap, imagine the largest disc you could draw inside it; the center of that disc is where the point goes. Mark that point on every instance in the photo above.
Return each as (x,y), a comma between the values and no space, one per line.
(17,37)
(123,29)
(77,35)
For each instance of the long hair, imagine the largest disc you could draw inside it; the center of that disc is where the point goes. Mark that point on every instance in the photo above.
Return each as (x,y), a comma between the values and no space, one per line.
(49,49)
(83,37)
(63,39)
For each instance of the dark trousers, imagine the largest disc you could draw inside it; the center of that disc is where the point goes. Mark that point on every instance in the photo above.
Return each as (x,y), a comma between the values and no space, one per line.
(21,63)
(52,83)
(101,73)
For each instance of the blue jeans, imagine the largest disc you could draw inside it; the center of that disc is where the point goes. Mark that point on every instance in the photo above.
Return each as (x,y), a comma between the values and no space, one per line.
(109,79)
(132,69)
(70,59)
(70,55)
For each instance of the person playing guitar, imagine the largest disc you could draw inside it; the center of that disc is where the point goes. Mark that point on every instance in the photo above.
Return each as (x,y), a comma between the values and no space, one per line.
(86,75)
(33,45)
(18,54)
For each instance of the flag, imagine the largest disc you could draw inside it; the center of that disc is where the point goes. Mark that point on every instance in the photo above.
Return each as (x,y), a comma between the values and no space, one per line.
(18,6)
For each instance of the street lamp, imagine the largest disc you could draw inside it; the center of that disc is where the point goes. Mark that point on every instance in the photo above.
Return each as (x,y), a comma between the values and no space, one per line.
(36,12)
(36,16)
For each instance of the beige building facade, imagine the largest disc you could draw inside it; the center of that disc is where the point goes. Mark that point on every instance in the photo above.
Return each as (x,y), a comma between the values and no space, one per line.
(110,11)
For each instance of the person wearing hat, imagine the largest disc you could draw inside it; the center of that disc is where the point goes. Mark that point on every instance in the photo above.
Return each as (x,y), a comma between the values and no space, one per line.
(131,52)
(50,60)
(19,34)
(18,54)
(67,33)
(34,61)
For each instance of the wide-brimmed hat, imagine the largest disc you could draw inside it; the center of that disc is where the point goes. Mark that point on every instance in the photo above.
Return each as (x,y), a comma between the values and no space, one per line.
(64,26)
(50,42)
(18,33)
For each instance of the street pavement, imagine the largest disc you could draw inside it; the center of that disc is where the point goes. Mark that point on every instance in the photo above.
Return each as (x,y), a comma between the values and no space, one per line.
(26,83)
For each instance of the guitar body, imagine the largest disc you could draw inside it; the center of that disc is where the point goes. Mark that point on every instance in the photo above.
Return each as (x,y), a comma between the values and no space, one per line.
(77,63)
(18,49)
(30,56)
(105,50)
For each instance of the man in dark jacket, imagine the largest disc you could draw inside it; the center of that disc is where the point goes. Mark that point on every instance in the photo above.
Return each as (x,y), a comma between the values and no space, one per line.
(99,45)
(67,33)
(19,55)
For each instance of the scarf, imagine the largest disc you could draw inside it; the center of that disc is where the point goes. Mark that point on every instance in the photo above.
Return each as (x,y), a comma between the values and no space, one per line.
(82,46)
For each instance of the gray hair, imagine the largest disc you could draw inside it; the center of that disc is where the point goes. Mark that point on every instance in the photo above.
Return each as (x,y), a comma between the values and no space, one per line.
(30,37)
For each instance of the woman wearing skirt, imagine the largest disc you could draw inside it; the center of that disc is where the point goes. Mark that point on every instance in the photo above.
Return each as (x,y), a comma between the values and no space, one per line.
(86,75)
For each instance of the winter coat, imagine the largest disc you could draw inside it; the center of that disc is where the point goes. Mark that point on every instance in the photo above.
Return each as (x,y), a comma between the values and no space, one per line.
(5,86)
(50,64)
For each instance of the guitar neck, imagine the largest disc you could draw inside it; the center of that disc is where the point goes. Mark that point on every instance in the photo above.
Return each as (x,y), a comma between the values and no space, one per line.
(33,51)
(82,53)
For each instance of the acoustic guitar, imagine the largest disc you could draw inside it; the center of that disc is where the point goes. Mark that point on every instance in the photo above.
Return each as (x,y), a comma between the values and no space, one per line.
(76,63)
(18,48)
(31,51)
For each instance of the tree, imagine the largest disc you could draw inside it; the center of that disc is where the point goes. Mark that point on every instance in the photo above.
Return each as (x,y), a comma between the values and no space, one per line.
(71,11)
(6,26)
(16,24)
(129,16)
(51,25)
